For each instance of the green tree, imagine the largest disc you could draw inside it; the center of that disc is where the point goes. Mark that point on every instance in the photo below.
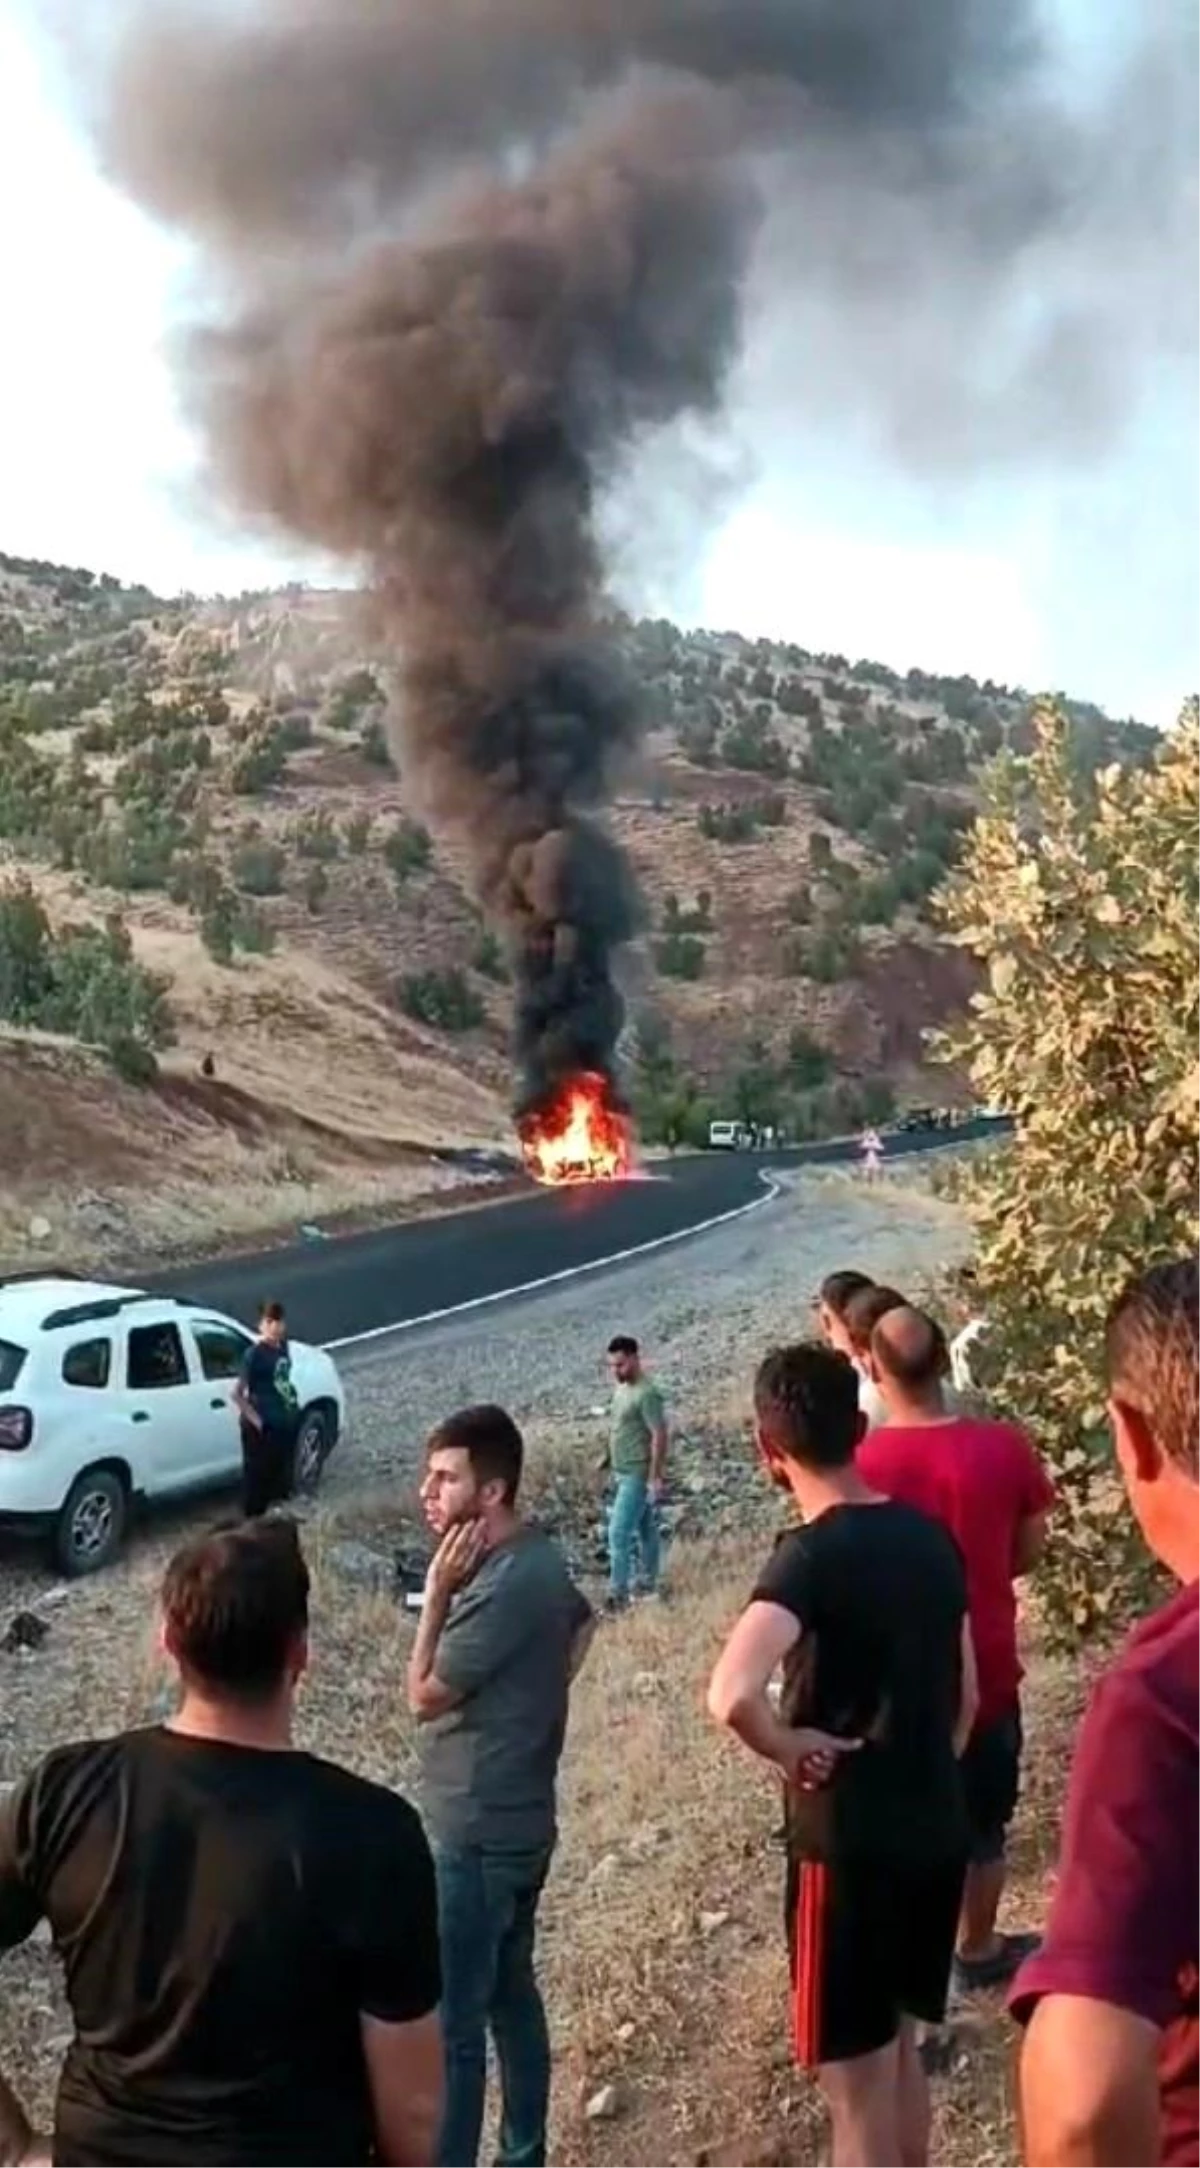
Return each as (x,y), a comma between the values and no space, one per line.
(445,999)
(316,888)
(407,849)
(26,966)
(488,957)
(680,956)
(258,866)
(1080,900)
(808,1062)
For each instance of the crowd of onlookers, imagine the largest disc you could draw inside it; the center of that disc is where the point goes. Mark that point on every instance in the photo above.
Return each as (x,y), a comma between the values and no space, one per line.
(269,1959)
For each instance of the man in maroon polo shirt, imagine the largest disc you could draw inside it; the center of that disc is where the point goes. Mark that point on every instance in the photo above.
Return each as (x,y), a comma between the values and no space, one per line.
(985,1483)
(1109,2062)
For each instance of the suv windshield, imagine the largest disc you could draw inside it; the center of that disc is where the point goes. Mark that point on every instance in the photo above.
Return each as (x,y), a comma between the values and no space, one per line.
(11,1359)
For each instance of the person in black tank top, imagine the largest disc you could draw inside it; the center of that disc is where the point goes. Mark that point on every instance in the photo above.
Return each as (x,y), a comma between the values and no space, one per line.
(864,1608)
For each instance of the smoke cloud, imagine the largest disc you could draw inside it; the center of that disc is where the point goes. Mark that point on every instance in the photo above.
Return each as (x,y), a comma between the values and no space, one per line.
(465,255)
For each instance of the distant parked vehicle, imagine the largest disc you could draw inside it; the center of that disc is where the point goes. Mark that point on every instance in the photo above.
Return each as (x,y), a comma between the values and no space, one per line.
(728,1136)
(918,1120)
(110,1396)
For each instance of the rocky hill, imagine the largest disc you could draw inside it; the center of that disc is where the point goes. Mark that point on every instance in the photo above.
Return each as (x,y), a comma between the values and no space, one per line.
(238,976)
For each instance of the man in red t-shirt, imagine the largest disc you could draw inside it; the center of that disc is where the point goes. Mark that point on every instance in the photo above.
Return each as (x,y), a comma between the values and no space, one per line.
(985,1483)
(1109,2064)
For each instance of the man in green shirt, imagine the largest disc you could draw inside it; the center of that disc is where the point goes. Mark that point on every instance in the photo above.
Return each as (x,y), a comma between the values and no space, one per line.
(637,1456)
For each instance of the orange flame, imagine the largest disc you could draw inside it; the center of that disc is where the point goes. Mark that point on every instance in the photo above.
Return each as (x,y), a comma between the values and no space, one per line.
(580,1136)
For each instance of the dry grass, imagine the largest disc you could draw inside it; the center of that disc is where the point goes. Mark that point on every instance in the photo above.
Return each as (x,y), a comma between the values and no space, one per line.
(661,1948)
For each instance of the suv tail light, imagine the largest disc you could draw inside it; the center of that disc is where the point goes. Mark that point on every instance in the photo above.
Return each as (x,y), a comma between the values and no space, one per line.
(16,1429)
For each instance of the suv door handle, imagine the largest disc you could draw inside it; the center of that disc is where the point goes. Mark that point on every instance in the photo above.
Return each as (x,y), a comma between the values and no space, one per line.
(140,1415)
(218,1403)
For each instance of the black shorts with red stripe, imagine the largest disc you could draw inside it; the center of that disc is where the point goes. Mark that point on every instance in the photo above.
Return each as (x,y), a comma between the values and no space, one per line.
(871,1942)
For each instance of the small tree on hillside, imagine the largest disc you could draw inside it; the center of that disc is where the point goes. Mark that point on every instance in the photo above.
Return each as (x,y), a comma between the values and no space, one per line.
(1080,898)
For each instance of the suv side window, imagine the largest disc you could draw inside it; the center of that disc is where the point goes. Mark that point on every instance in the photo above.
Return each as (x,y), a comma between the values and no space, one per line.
(156,1358)
(88,1363)
(222,1350)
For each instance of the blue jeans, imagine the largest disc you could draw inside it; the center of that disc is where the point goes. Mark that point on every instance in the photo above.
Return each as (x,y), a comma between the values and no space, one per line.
(487,1918)
(632,1524)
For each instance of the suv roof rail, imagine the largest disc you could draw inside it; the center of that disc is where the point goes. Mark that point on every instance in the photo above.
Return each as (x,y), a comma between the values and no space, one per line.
(87,1313)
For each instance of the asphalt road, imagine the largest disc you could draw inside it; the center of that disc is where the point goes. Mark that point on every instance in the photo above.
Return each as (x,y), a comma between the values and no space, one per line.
(364,1283)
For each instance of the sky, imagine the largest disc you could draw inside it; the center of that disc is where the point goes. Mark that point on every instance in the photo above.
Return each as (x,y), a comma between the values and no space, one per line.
(1081,578)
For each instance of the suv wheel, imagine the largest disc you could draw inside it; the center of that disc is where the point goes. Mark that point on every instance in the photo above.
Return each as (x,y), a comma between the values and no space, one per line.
(91,1527)
(314,1444)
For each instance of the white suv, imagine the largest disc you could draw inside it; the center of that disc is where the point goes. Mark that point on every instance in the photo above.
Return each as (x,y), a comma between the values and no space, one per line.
(110,1396)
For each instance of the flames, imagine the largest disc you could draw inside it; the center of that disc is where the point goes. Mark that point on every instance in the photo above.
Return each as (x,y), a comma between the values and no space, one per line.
(580,1136)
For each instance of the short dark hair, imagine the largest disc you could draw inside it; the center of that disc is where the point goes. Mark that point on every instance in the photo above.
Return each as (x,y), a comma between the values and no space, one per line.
(272,1313)
(1152,1341)
(491,1441)
(622,1343)
(806,1398)
(915,1355)
(864,1310)
(837,1287)
(235,1603)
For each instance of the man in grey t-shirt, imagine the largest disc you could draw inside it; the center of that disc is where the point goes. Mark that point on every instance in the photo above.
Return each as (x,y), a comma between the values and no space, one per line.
(503,1631)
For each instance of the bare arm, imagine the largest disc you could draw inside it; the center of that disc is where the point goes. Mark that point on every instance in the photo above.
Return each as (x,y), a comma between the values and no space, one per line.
(968,1693)
(405,2076)
(737,1693)
(245,1406)
(1029,1544)
(427,1694)
(658,1453)
(1089,2086)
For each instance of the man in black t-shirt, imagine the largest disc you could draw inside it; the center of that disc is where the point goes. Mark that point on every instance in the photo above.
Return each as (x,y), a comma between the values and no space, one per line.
(265,1398)
(864,1606)
(249,1934)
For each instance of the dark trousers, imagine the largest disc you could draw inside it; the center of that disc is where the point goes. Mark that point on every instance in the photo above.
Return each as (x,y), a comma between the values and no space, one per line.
(267,1468)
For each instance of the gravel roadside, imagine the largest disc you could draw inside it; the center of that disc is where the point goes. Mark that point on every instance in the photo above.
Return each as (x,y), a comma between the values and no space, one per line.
(703,1310)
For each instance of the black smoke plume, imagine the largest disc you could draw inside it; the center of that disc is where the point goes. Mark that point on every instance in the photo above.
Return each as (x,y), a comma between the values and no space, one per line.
(463,255)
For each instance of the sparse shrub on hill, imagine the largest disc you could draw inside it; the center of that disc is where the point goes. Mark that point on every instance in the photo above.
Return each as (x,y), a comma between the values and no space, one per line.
(752,745)
(195,880)
(830,954)
(252,929)
(741,823)
(445,999)
(407,849)
(260,765)
(697,733)
(358,834)
(680,956)
(1079,897)
(315,890)
(374,746)
(316,836)
(798,904)
(808,1062)
(218,925)
(84,982)
(258,866)
(488,957)
(690,918)
(355,695)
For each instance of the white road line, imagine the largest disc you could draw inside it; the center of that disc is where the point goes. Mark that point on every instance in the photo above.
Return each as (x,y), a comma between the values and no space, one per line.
(771,1189)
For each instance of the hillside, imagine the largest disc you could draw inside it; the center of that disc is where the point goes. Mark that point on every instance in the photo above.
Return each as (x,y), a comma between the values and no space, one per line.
(217,885)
